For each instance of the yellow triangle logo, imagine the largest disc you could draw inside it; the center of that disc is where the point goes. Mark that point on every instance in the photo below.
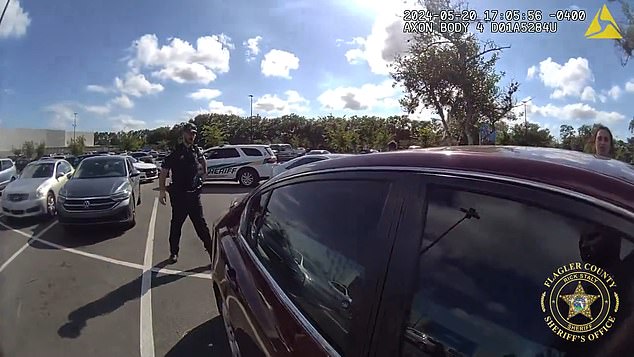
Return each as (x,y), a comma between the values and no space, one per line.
(610,30)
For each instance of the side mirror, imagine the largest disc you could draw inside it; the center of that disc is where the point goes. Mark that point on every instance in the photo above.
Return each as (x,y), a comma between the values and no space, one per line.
(59,175)
(135,173)
(69,175)
(234,203)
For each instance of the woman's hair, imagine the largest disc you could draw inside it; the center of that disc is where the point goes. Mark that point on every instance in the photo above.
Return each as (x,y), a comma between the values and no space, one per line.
(594,138)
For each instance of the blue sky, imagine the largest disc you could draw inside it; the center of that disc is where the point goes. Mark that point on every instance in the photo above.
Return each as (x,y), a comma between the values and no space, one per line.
(133,64)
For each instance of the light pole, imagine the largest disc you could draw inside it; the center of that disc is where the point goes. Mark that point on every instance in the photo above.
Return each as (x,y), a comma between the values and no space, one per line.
(74,126)
(251,96)
(5,10)
(526,121)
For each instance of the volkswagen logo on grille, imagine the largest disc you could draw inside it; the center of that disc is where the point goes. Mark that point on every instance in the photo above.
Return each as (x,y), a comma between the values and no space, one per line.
(86,204)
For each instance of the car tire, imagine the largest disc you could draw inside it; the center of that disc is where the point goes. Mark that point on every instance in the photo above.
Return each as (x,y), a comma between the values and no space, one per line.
(51,209)
(231,336)
(248,177)
(132,222)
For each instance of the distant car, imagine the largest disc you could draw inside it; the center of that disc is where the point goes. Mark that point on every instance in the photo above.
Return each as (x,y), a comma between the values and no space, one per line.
(429,253)
(149,172)
(143,157)
(8,173)
(283,152)
(318,152)
(247,164)
(302,160)
(368,151)
(34,192)
(103,190)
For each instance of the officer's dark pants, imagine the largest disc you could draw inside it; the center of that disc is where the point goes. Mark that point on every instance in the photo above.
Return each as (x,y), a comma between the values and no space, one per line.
(187,204)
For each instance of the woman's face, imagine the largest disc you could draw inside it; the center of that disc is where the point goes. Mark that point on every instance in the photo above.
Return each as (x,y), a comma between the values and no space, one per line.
(602,143)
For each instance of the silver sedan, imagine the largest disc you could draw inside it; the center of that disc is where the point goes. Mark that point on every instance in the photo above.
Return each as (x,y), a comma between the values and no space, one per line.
(34,192)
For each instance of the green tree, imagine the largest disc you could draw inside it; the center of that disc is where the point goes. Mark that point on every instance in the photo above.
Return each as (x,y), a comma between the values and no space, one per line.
(626,44)
(130,141)
(567,136)
(16,151)
(212,135)
(40,150)
(28,148)
(454,74)
(77,146)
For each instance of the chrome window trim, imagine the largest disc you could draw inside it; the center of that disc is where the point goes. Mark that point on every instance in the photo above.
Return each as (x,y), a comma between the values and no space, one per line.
(287,301)
(475,174)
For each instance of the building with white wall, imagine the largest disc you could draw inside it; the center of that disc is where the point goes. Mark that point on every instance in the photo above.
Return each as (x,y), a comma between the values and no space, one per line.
(11,138)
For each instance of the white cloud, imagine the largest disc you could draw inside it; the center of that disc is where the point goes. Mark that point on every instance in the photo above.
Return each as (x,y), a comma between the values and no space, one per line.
(589,94)
(629,86)
(366,97)
(278,63)
(273,105)
(218,108)
(15,21)
(577,112)
(126,122)
(123,101)
(615,92)
(386,39)
(253,48)
(205,93)
(531,72)
(567,80)
(62,114)
(97,89)
(179,61)
(97,109)
(136,85)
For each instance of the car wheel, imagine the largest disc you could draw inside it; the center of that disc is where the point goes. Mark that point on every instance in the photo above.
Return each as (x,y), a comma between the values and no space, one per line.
(248,177)
(132,222)
(231,336)
(51,209)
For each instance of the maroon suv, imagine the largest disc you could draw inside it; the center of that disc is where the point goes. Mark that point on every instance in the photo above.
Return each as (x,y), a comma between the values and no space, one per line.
(463,251)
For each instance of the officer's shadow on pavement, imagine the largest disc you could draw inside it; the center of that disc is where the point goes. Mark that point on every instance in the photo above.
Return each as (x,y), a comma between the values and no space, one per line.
(207,339)
(115,299)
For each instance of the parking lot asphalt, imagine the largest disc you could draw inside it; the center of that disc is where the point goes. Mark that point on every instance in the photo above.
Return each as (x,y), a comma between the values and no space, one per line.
(106,292)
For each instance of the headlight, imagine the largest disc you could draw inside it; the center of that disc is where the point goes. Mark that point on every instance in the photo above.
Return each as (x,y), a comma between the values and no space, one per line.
(41,192)
(121,195)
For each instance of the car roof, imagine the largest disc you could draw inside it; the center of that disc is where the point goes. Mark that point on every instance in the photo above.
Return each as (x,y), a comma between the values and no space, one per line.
(259,146)
(606,179)
(47,161)
(103,157)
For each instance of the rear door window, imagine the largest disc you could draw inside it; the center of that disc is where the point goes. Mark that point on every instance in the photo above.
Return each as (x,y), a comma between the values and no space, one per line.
(226,153)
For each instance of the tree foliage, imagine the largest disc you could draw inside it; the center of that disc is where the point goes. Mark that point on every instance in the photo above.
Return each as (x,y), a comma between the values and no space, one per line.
(77,145)
(28,149)
(40,150)
(454,74)
(626,45)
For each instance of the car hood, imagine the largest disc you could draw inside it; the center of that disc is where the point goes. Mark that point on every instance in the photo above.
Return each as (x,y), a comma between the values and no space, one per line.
(143,165)
(93,187)
(27,185)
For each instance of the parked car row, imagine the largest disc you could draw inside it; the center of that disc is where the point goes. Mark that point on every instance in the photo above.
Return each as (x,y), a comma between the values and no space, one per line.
(102,189)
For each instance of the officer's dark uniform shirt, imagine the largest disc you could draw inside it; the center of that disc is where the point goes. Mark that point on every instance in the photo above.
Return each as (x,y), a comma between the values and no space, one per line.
(183,162)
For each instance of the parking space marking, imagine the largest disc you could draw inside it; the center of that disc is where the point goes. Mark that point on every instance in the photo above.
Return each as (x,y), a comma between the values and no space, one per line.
(146,327)
(26,245)
(181,273)
(11,258)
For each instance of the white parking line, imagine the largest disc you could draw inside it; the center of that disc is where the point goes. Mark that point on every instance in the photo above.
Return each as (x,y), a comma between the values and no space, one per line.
(181,273)
(146,327)
(26,245)
(15,255)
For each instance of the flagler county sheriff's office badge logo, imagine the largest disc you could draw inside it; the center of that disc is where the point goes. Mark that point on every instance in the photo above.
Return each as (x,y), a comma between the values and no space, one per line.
(580,302)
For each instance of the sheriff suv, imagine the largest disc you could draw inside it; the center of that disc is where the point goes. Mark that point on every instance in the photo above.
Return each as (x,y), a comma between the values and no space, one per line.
(247,164)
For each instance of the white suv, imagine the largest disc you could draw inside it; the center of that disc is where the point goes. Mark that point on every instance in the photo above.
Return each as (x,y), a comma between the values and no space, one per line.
(247,164)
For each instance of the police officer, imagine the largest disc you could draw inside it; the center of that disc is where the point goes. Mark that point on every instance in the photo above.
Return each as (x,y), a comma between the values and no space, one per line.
(189,169)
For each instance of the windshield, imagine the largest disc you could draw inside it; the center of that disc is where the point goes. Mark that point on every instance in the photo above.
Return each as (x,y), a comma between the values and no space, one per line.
(101,168)
(40,170)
